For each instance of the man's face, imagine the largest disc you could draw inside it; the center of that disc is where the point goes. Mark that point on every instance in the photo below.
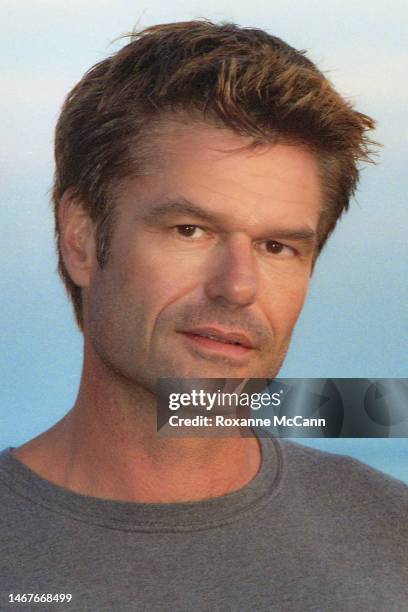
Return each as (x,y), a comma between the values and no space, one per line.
(210,261)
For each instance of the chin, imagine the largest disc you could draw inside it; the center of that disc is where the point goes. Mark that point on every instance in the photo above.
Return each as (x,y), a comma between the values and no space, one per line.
(221,371)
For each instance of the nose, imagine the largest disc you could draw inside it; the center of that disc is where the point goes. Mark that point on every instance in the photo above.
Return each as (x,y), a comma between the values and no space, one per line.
(233,277)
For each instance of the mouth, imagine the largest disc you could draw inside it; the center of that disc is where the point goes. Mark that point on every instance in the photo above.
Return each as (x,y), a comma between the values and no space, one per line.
(228,343)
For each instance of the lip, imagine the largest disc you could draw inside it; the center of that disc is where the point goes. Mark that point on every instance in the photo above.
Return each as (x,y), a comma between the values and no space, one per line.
(208,347)
(220,344)
(220,337)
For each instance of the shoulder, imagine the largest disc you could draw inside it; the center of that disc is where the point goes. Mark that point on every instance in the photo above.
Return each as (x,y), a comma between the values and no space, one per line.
(341,476)
(10,481)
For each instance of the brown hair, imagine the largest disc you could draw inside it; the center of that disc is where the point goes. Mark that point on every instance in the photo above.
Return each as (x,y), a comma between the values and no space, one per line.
(240,78)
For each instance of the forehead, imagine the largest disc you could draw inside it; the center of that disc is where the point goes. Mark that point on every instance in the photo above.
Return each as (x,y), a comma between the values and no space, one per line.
(216,169)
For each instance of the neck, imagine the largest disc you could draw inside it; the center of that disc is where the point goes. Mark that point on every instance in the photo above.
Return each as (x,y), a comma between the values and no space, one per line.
(107,446)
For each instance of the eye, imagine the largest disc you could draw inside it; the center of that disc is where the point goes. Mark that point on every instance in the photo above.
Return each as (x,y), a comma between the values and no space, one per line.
(277,248)
(190,231)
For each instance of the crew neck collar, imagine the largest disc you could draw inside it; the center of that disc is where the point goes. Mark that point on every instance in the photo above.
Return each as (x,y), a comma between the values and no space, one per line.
(150,517)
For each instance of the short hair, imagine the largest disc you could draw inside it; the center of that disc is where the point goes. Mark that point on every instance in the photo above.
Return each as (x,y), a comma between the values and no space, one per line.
(240,78)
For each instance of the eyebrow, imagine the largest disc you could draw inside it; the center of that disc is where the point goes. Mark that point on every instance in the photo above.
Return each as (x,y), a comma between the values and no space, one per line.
(178,207)
(181,206)
(304,234)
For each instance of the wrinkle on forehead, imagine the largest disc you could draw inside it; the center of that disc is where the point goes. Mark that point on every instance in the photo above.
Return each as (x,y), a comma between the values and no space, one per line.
(213,166)
(229,149)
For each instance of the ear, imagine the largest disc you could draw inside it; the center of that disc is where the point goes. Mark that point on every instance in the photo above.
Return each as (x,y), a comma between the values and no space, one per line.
(77,238)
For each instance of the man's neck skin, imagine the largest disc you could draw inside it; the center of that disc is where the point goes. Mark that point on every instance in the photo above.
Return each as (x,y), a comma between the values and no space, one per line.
(107,447)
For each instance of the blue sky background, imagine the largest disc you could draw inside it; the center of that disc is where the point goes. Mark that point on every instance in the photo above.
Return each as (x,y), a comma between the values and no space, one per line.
(355,323)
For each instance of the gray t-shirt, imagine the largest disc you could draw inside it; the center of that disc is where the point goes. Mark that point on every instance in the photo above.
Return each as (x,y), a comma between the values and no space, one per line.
(311,532)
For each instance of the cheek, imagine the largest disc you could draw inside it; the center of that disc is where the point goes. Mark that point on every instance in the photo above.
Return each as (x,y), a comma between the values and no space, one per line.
(284,298)
(157,279)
